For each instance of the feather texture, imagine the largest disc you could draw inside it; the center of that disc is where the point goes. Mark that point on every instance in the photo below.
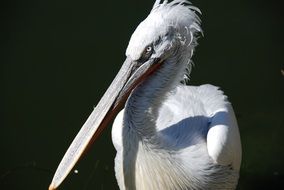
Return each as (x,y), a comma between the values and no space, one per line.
(173,136)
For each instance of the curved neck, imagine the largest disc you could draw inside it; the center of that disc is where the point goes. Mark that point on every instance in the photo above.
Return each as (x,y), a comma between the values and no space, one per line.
(142,107)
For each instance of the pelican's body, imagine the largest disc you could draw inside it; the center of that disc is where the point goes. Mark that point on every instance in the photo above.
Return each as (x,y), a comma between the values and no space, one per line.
(195,145)
(169,136)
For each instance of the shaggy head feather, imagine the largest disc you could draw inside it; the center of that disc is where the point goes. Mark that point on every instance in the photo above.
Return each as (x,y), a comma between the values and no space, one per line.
(169,27)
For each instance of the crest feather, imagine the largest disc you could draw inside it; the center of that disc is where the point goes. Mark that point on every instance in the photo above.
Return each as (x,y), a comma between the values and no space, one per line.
(185,15)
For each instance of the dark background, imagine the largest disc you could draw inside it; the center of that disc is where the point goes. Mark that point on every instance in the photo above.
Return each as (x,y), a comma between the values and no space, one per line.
(58,57)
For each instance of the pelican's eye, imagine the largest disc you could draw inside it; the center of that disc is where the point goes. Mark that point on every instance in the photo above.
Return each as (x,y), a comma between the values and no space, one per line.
(148,51)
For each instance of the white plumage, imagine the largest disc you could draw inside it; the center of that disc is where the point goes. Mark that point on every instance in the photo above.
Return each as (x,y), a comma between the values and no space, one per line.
(196,145)
(169,136)
(174,136)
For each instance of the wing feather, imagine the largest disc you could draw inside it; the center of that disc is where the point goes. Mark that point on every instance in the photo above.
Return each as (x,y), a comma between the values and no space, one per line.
(223,139)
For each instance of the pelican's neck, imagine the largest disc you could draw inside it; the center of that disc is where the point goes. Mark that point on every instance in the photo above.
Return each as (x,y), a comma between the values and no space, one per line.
(143,105)
(141,113)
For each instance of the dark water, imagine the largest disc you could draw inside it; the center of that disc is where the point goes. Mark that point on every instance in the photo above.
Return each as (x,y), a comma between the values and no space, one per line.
(58,57)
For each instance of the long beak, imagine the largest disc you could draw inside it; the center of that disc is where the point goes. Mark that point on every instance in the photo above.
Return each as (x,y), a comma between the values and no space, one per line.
(130,75)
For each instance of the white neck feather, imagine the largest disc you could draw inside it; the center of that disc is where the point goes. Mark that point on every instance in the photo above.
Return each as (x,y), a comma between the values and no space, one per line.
(139,122)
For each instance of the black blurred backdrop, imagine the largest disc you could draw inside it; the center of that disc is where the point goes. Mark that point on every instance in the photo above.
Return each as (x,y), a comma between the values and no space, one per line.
(58,57)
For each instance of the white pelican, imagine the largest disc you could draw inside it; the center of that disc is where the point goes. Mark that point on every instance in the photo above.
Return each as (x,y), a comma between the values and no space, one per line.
(169,136)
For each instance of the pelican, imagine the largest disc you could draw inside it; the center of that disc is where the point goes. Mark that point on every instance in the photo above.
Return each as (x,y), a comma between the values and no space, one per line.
(167,135)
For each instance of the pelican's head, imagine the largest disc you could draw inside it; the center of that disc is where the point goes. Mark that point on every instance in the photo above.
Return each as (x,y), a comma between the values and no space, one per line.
(169,27)
(169,31)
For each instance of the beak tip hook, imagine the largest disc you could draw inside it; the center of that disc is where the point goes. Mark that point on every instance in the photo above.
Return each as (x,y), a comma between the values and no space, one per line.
(51,187)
